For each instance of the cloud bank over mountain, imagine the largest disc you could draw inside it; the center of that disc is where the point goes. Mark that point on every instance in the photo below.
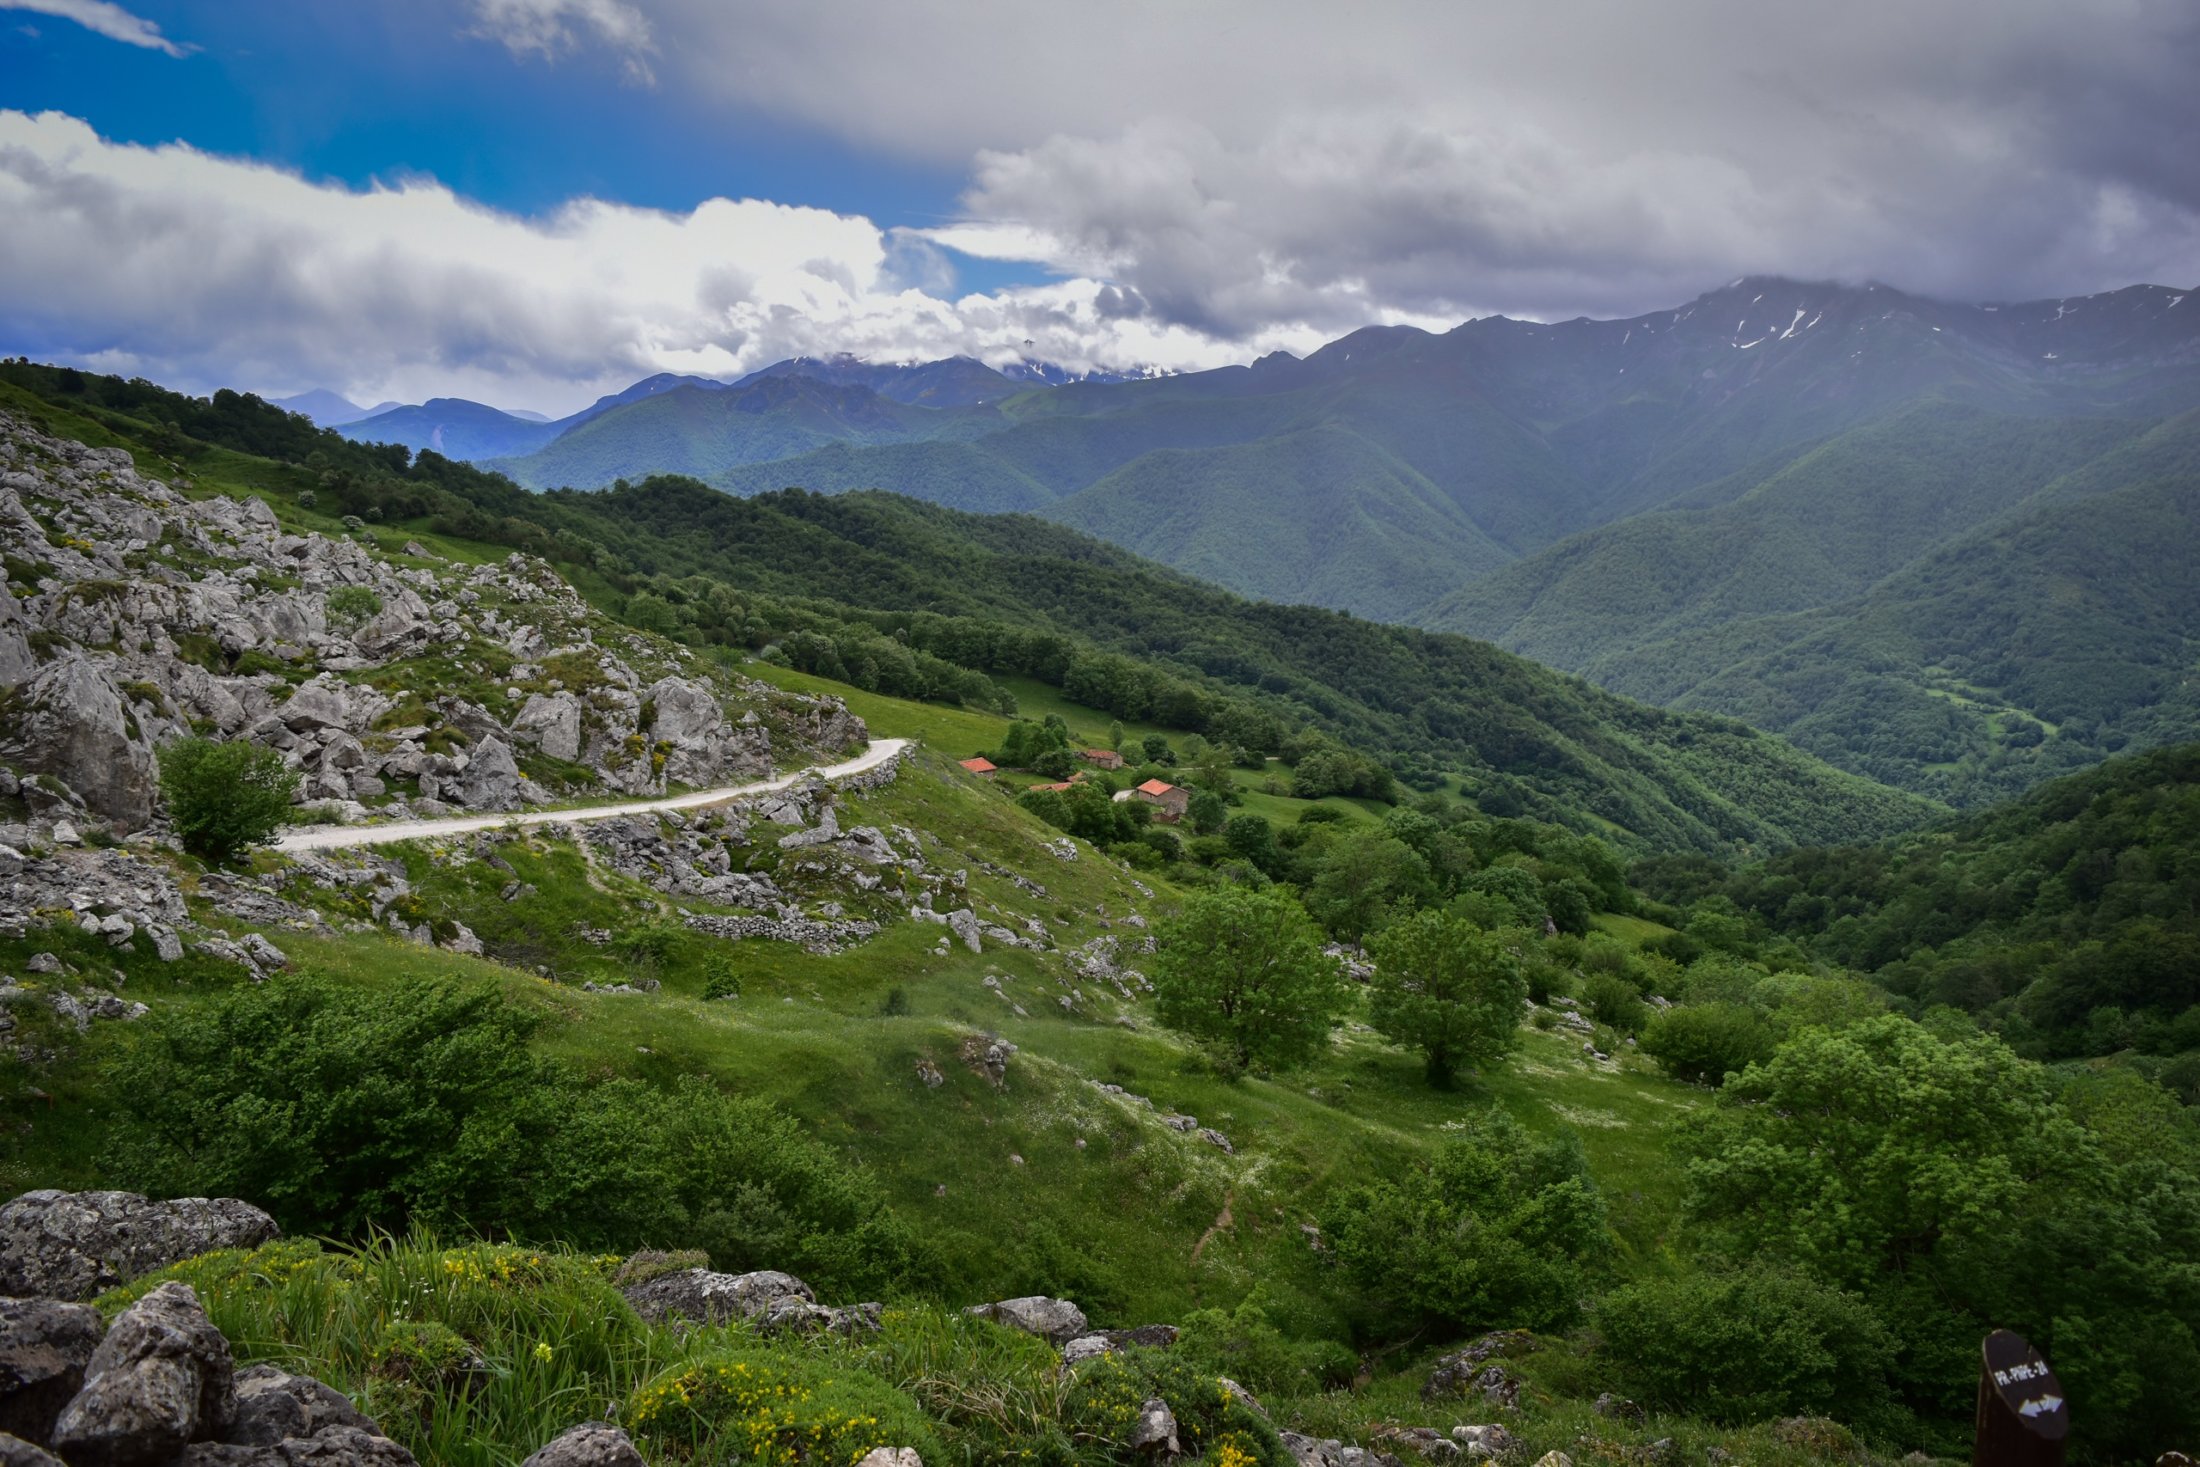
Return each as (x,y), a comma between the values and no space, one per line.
(193,268)
(1159,184)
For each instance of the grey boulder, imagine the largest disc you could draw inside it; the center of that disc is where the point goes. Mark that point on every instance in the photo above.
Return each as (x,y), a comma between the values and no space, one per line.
(338,1446)
(69,721)
(1155,1430)
(713,1298)
(1056,1321)
(44,1347)
(16,1452)
(72,1245)
(591,1444)
(490,780)
(273,1406)
(159,1382)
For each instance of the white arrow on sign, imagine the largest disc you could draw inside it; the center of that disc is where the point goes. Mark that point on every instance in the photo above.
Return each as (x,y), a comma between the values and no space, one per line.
(2040,1406)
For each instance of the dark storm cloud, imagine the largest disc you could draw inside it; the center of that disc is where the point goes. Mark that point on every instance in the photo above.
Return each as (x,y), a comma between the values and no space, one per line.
(1245,166)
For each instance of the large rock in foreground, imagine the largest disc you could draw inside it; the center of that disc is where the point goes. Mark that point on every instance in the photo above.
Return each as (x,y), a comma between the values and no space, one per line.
(44,1347)
(72,1245)
(160,1381)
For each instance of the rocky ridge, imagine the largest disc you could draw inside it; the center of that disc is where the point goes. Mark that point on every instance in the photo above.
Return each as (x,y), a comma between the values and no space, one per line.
(396,684)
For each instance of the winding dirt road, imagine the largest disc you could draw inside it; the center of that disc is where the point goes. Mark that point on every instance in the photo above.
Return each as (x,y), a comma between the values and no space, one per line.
(331,837)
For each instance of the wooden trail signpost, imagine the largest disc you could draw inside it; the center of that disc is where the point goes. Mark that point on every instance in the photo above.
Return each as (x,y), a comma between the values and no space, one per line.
(2023,1420)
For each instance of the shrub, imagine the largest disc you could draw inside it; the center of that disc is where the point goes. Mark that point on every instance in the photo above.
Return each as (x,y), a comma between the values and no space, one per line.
(341,1110)
(1245,1345)
(224,798)
(559,1342)
(721,977)
(1212,1422)
(1748,1345)
(351,606)
(1704,1043)
(1614,1001)
(775,1409)
(1493,1236)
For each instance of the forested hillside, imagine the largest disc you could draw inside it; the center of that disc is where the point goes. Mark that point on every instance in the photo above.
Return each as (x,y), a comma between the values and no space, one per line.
(2069,920)
(1840,513)
(1954,601)
(894,580)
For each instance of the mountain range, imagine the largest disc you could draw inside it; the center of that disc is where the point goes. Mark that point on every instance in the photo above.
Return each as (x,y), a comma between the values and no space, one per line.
(1938,544)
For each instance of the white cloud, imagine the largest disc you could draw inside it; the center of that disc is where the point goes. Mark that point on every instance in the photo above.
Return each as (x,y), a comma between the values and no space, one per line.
(203,271)
(107,19)
(552,28)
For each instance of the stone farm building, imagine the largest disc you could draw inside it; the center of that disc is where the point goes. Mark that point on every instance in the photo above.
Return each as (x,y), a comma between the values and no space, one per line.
(1169,801)
(1101,758)
(981,766)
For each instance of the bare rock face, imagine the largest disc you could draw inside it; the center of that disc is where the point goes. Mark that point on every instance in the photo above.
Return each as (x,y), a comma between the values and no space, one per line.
(282,1420)
(72,723)
(490,780)
(44,1347)
(72,1245)
(337,1446)
(1056,1321)
(591,1444)
(552,723)
(793,1315)
(713,1298)
(689,722)
(891,1457)
(159,1382)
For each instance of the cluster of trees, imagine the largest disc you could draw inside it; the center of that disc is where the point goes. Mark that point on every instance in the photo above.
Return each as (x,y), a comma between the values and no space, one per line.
(1244,972)
(2068,921)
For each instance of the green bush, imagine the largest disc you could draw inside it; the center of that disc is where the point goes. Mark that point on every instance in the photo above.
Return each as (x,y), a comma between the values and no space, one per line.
(774,1408)
(1494,1236)
(350,606)
(1748,1345)
(396,1325)
(1212,1422)
(1245,1345)
(341,1109)
(1448,989)
(1703,1043)
(224,798)
(721,977)
(1613,1000)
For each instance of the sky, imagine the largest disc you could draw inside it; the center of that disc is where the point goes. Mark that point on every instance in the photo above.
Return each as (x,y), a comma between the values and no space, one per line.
(532,202)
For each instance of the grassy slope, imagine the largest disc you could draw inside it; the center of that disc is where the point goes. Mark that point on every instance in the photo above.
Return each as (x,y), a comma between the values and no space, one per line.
(807,1032)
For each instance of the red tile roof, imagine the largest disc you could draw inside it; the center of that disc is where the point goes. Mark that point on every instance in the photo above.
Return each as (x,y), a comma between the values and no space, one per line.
(978,766)
(1155,787)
